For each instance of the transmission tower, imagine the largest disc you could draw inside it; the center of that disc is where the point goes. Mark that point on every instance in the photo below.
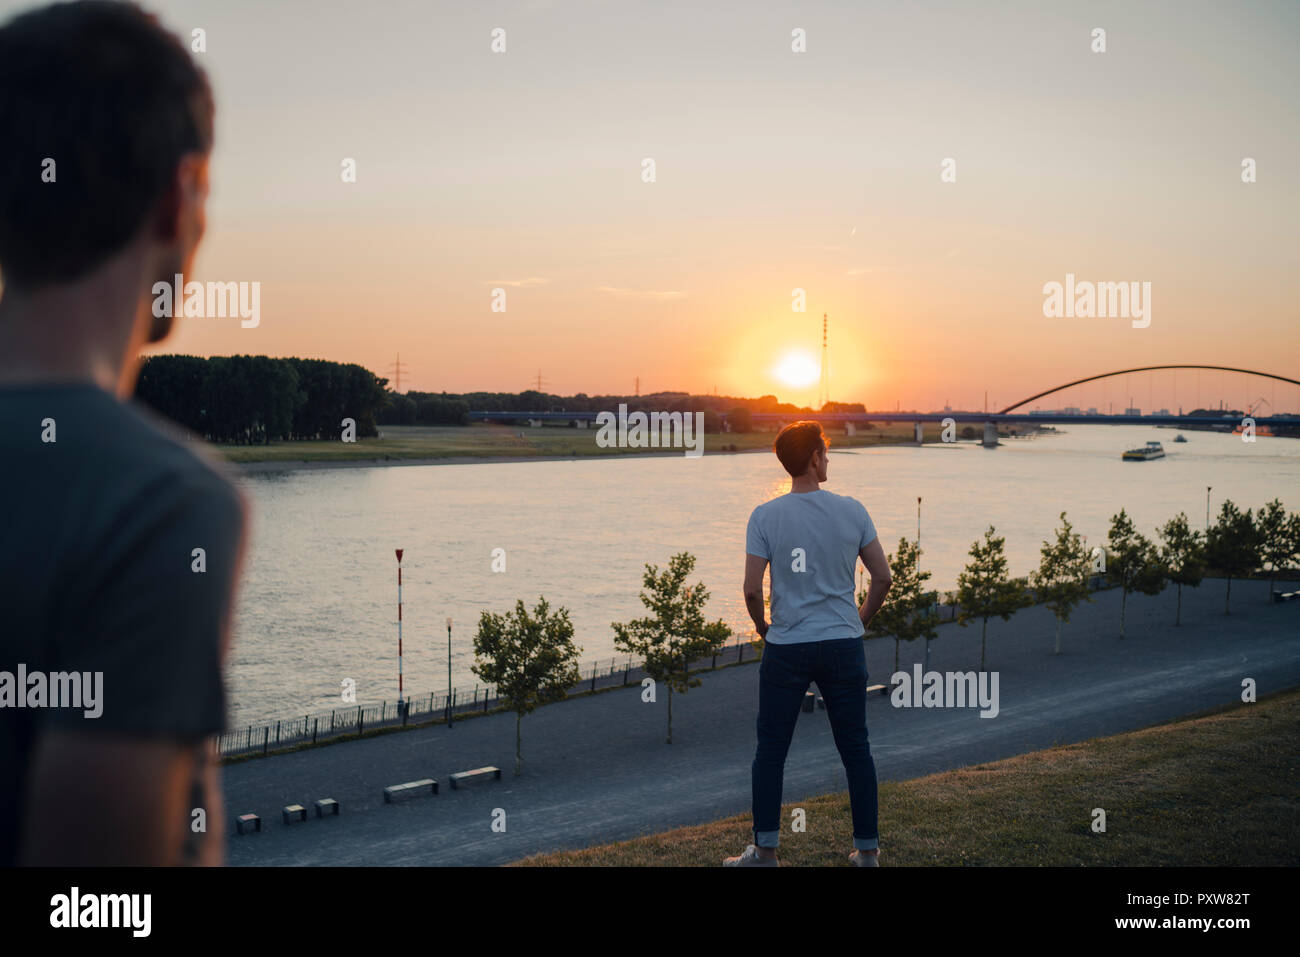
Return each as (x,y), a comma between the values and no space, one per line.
(539,382)
(397,369)
(825,395)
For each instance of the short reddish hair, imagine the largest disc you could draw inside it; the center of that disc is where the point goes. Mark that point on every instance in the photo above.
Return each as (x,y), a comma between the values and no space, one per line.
(796,443)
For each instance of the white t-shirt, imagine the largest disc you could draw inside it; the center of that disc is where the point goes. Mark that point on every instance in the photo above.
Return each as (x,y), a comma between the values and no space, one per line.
(812,540)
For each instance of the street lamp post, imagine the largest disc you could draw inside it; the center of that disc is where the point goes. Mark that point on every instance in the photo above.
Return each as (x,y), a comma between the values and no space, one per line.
(918,569)
(400,702)
(449,721)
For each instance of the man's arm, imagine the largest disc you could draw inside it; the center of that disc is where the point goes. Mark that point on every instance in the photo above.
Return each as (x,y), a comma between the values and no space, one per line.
(110,799)
(873,556)
(755,567)
(119,787)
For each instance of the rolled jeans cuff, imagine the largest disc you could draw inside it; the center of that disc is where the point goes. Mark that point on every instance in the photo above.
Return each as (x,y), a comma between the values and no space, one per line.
(767,838)
(866,843)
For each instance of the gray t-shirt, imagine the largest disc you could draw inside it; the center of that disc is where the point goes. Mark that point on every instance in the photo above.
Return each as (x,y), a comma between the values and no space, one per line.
(812,540)
(98,574)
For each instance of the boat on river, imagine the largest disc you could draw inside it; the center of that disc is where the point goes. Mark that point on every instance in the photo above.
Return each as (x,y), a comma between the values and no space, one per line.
(1152,450)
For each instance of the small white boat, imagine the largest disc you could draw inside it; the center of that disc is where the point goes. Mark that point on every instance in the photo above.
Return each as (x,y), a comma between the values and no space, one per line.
(1152,450)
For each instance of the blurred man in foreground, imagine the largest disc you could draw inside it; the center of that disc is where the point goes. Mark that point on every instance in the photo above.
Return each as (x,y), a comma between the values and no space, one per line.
(120,547)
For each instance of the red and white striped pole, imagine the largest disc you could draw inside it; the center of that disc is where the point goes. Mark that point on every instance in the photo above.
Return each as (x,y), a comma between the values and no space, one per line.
(399,629)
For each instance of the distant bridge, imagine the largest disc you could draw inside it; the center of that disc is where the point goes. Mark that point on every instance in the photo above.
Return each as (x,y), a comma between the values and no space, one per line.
(991,418)
(1107,375)
(855,417)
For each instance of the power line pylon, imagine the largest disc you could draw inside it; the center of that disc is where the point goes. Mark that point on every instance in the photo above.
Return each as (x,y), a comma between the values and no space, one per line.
(397,370)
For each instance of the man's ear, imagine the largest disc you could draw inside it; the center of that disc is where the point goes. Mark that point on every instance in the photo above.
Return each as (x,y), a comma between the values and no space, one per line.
(181,207)
(167,214)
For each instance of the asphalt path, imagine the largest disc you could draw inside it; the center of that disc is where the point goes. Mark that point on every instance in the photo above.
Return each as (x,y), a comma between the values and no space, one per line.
(597,768)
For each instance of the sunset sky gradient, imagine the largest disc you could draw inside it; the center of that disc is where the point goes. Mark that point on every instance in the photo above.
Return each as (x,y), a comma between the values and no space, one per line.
(775,170)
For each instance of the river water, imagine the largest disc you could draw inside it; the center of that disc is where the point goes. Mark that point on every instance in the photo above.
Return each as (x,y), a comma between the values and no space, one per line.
(318,598)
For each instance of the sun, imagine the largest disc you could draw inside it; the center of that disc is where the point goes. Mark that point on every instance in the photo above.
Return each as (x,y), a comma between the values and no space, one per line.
(797,369)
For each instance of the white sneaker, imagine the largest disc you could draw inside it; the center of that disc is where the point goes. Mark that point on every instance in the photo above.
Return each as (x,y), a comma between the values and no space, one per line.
(750,858)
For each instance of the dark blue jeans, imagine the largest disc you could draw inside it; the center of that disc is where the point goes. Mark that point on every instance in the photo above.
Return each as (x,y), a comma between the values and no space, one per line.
(839,667)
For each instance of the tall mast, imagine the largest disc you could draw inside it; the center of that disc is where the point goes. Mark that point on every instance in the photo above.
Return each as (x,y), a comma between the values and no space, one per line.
(825,395)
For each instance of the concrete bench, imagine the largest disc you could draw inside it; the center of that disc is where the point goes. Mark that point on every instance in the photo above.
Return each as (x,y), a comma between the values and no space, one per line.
(478,774)
(410,787)
(1286,595)
(821,703)
(327,806)
(809,702)
(248,822)
(294,812)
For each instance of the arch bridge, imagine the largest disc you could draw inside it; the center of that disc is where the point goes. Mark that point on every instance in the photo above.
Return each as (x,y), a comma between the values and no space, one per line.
(990,419)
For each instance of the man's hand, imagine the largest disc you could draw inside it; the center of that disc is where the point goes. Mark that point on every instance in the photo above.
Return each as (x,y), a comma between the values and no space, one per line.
(873,557)
(755,567)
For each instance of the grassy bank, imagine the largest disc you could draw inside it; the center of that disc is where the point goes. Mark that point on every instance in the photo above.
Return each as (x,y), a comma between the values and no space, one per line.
(486,441)
(1222,789)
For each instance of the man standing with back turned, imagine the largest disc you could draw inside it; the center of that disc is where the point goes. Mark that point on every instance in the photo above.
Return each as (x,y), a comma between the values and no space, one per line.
(813,539)
(119,546)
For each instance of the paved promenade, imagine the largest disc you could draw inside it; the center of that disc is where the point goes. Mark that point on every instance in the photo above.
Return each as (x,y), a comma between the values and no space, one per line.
(597,768)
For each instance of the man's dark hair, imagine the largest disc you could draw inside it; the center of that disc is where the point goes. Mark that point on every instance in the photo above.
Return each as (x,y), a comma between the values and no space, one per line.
(116,101)
(796,443)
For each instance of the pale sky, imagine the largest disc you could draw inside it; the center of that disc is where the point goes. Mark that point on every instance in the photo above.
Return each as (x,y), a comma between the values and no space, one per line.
(774,170)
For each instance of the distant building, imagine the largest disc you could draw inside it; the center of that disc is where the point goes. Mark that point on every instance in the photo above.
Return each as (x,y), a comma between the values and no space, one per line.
(1132,411)
(1092,410)
(1072,410)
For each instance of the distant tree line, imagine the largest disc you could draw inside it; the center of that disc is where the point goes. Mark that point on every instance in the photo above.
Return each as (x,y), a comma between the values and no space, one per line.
(531,400)
(248,400)
(251,400)
(426,408)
